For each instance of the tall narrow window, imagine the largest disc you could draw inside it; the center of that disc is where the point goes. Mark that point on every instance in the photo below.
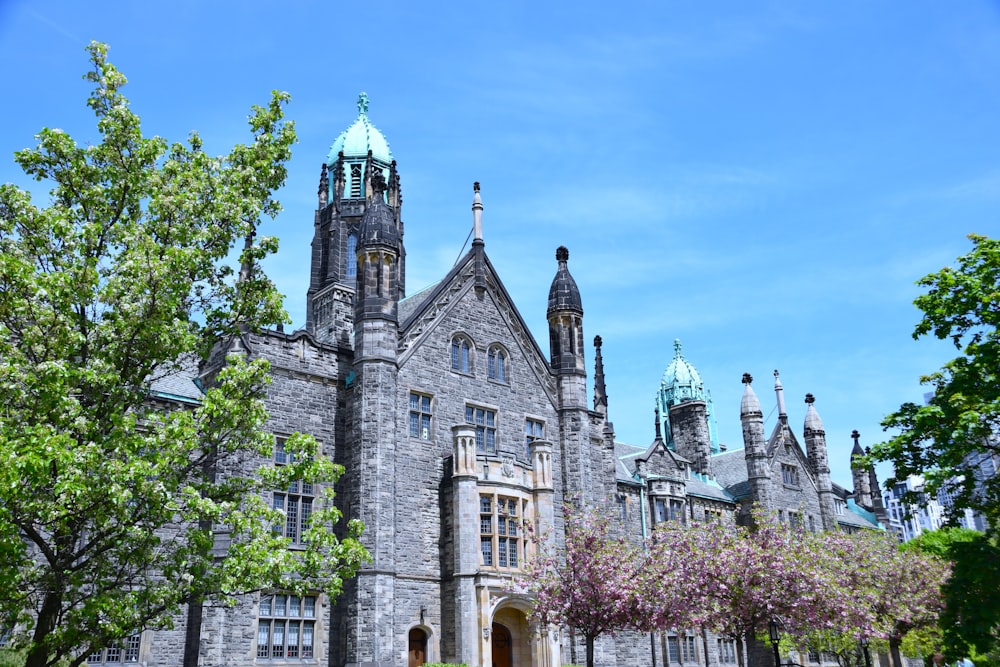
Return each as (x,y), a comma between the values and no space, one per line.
(533,430)
(285,626)
(420,416)
(789,474)
(351,259)
(496,364)
(296,502)
(688,652)
(673,649)
(461,355)
(355,181)
(485,422)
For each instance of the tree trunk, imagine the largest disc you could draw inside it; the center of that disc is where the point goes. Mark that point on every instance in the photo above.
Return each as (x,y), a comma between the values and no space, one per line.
(894,656)
(38,653)
(740,654)
(590,651)
(192,635)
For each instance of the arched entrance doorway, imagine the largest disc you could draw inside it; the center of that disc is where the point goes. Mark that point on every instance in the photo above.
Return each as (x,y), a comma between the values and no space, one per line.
(502,653)
(418,648)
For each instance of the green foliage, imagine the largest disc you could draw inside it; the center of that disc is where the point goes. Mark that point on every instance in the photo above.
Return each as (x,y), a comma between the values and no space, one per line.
(443,664)
(110,505)
(961,423)
(969,623)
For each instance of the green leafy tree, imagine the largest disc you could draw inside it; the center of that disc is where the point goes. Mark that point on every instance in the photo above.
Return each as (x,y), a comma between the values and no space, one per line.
(969,623)
(112,505)
(945,439)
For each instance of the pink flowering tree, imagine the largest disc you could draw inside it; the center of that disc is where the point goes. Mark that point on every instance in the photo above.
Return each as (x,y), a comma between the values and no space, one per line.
(734,580)
(591,586)
(889,592)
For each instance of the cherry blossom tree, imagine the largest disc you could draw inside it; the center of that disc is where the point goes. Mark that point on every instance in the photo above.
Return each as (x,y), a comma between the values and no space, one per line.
(891,591)
(592,585)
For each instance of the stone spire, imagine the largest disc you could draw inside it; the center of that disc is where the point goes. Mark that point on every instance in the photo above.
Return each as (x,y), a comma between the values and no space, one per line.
(477,240)
(878,505)
(600,392)
(859,473)
(780,393)
(755,446)
(324,186)
(815,437)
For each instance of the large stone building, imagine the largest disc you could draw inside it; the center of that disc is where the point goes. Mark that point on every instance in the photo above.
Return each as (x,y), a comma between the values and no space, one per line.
(454,425)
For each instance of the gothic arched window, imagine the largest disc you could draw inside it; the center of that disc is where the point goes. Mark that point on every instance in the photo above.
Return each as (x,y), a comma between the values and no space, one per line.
(496,364)
(461,355)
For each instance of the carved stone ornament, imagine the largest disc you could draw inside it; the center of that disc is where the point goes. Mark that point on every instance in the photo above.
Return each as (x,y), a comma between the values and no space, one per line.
(508,466)
(486,634)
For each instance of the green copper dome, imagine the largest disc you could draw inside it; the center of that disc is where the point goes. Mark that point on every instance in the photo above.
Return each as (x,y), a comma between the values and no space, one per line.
(681,381)
(360,137)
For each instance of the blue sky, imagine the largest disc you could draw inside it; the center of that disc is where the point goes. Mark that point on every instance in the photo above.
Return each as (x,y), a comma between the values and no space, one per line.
(764,181)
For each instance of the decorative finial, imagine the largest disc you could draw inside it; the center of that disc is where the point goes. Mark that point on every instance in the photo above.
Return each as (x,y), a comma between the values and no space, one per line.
(810,399)
(597,341)
(776,374)
(363,104)
(477,215)
(562,253)
(747,378)
(677,347)
(856,436)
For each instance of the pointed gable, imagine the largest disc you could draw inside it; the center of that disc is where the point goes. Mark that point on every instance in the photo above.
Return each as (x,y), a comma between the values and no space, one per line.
(426,310)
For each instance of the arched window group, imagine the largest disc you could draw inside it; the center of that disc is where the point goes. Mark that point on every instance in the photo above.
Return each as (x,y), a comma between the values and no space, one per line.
(497,359)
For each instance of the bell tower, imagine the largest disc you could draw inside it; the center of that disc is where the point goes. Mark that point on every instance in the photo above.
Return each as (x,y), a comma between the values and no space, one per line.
(358,157)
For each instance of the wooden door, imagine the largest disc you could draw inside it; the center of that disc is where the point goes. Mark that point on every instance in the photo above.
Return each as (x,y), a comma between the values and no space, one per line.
(502,655)
(418,647)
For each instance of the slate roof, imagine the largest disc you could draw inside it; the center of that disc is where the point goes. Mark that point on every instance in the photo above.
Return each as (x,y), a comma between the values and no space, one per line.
(625,456)
(177,382)
(696,487)
(730,467)
(410,304)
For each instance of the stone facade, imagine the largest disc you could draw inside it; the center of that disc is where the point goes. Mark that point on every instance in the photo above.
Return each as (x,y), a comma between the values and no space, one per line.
(454,426)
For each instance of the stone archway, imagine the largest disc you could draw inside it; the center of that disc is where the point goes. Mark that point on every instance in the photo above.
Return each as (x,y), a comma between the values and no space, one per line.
(511,638)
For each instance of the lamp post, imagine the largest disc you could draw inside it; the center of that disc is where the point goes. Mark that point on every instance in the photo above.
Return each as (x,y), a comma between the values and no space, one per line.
(772,632)
(864,649)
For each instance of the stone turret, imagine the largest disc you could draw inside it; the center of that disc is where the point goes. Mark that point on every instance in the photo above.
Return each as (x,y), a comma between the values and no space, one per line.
(565,316)
(371,460)
(755,446)
(684,406)
(815,437)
